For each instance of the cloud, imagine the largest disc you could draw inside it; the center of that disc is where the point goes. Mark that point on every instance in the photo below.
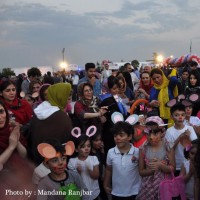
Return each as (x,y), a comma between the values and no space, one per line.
(34,33)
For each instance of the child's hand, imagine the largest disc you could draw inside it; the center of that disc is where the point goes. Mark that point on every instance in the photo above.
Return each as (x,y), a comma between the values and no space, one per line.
(184,138)
(108,190)
(154,164)
(79,168)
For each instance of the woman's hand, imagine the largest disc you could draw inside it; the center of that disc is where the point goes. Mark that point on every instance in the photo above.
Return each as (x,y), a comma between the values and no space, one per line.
(154,103)
(103,110)
(14,137)
(142,90)
(103,119)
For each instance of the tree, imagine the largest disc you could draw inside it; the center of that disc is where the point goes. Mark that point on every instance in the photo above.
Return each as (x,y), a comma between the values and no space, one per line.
(7,72)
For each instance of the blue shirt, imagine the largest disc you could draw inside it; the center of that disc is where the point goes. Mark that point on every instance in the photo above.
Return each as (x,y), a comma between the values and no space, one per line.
(96,86)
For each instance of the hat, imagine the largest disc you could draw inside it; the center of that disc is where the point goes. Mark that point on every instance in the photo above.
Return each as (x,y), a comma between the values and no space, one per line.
(156,120)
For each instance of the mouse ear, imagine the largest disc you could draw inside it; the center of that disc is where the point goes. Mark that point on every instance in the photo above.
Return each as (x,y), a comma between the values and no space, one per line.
(69,148)
(46,150)
(186,103)
(194,98)
(91,131)
(132,119)
(76,132)
(171,103)
(117,117)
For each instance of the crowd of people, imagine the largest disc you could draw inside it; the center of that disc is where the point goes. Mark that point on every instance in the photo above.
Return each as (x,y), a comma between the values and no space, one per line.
(88,135)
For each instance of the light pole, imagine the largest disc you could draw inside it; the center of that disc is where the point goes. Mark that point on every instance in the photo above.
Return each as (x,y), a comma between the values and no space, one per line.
(63,63)
(63,54)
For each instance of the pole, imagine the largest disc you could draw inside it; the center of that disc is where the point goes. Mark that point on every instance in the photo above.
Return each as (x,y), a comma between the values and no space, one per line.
(63,52)
(190,46)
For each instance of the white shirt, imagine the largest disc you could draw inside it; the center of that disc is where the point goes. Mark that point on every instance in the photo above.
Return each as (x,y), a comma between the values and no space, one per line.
(39,172)
(193,120)
(125,175)
(171,135)
(90,162)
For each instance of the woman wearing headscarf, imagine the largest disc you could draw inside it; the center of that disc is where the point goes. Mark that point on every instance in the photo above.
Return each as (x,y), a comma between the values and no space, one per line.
(15,169)
(18,109)
(163,90)
(50,120)
(144,89)
(87,110)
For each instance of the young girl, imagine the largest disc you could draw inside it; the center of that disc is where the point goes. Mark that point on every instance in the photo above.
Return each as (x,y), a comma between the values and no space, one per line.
(187,169)
(86,165)
(155,159)
(98,151)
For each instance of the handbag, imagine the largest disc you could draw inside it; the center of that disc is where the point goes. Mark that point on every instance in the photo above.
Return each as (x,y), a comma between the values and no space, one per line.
(173,188)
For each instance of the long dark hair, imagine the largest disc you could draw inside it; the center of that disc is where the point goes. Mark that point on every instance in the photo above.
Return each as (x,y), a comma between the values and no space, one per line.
(196,74)
(4,84)
(7,115)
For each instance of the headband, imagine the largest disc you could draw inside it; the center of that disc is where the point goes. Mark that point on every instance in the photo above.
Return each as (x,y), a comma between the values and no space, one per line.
(118,117)
(48,151)
(76,131)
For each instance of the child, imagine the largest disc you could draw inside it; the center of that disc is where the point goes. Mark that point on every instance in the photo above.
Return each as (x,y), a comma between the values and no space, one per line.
(114,103)
(179,135)
(139,136)
(155,159)
(86,165)
(122,166)
(187,169)
(98,151)
(59,183)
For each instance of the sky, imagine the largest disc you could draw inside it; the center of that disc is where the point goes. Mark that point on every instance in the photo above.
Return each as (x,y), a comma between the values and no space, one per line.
(34,32)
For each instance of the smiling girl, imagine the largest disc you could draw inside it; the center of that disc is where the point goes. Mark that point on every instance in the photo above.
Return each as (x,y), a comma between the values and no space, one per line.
(86,165)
